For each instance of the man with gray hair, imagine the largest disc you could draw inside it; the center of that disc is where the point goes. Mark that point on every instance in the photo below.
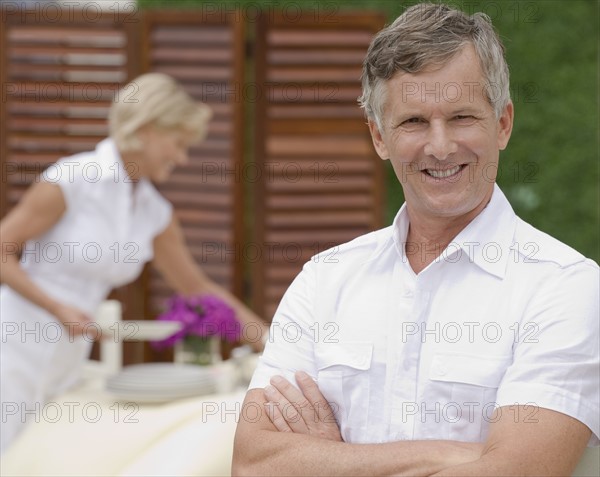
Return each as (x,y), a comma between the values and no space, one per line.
(458,341)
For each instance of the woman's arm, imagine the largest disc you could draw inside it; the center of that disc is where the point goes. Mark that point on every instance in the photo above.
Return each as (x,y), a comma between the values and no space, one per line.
(39,210)
(175,262)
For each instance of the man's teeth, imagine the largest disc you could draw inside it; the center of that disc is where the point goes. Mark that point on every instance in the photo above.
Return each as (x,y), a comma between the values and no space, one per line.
(441,174)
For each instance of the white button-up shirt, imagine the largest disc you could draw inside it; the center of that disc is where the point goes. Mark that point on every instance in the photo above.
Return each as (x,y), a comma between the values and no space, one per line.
(106,234)
(505,315)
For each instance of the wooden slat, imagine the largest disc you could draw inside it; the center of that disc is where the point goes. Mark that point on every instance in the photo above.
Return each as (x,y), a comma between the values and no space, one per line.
(326,182)
(291,34)
(322,111)
(338,201)
(179,54)
(312,92)
(313,57)
(21,51)
(70,36)
(279,145)
(189,34)
(319,74)
(319,220)
(194,73)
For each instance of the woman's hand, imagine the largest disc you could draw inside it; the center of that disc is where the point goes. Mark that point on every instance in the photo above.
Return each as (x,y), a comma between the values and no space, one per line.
(76,322)
(304,411)
(173,259)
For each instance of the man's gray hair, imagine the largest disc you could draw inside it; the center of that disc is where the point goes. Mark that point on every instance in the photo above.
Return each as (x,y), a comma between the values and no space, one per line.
(426,35)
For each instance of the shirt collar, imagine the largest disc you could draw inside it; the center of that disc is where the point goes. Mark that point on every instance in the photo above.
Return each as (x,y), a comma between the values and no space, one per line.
(110,161)
(400,231)
(486,241)
(112,165)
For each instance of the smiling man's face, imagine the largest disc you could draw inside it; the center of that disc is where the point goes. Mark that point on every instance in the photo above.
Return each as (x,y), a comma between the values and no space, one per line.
(442,137)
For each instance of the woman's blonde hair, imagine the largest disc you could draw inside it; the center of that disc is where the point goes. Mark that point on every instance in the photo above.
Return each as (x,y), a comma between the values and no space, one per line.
(154,99)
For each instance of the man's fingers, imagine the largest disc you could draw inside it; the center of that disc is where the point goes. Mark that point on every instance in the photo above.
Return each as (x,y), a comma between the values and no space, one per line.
(303,411)
(289,410)
(272,410)
(291,393)
(312,392)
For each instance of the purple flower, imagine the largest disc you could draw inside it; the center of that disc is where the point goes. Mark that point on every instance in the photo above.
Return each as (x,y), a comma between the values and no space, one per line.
(201,315)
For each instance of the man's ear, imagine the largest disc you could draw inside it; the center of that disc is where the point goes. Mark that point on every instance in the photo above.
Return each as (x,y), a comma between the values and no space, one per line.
(505,125)
(378,142)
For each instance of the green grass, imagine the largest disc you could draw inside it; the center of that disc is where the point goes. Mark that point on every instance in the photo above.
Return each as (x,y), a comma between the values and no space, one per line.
(550,170)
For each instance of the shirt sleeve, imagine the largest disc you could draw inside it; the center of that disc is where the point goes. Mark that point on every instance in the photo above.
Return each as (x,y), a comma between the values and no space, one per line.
(65,174)
(158,209)
(556,365)
(291,339)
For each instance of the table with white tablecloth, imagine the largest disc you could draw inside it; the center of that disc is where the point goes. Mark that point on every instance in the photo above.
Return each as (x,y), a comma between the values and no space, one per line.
(88,431)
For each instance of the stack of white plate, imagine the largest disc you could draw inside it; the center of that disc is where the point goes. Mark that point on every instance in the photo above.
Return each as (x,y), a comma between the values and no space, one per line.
(161,382)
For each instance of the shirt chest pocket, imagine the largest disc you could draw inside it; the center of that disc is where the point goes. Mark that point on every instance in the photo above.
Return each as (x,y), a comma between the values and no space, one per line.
(343,378)
(466,388)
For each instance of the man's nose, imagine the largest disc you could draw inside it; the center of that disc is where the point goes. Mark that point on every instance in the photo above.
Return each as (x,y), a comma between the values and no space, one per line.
(440,143)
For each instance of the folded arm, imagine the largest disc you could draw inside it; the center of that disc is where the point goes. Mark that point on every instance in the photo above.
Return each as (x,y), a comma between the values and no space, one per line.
(260,448)
(304,442)
(523,443)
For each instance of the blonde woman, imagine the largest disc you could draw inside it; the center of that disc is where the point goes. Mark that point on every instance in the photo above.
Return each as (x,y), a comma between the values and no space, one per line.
(89,225)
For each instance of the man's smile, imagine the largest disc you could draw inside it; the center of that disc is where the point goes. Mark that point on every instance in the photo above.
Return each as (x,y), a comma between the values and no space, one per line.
(447,173)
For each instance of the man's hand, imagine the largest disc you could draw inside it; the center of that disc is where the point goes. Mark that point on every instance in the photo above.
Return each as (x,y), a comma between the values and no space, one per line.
(304,411)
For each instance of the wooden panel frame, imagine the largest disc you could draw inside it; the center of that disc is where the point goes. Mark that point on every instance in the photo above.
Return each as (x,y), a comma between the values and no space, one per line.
(369,21)
(152,18)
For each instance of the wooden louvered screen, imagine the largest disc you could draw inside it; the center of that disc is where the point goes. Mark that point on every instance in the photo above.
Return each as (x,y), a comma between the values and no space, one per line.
(322,181)
(58,80)
(316,181)
(59,76)
(204,53)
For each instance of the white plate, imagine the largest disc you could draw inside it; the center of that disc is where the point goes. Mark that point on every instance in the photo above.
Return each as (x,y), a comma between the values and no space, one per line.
(152,398)
(158,385)
(139,330)
(162,382)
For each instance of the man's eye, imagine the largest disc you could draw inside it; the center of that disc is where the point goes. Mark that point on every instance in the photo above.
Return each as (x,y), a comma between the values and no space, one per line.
(412,121)
(464,117)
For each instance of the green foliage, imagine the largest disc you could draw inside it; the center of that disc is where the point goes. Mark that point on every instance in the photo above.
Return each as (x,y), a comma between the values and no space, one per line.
(554,78)
(550,170)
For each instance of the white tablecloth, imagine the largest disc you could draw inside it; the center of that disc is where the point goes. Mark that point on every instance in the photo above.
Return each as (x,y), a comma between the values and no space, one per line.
(88,432)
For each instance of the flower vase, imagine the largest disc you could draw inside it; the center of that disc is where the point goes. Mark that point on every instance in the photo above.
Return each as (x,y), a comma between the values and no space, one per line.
(199,350)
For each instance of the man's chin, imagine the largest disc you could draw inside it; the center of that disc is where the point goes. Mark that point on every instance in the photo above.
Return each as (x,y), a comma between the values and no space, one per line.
(455,207)
(446,207)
